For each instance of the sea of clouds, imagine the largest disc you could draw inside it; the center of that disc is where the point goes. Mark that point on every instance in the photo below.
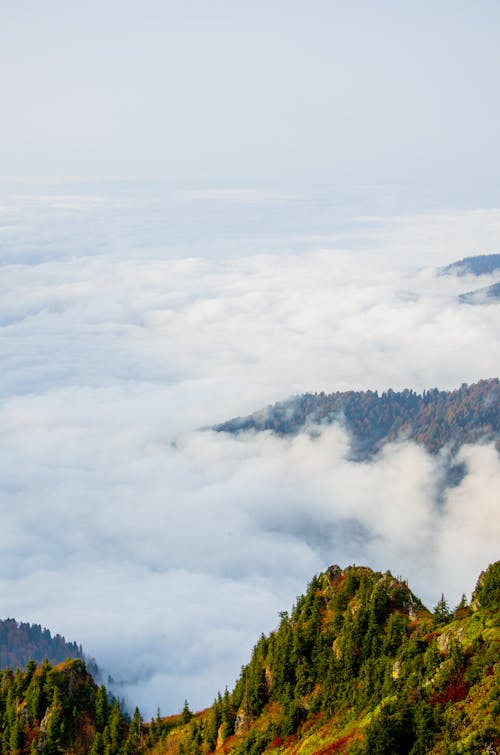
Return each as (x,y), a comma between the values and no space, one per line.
(133,318)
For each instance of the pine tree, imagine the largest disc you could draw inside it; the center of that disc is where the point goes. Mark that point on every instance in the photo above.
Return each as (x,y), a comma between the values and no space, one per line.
(442,613)
(97,745)
(114,729)
(54,731)
(186,714)
(101,708)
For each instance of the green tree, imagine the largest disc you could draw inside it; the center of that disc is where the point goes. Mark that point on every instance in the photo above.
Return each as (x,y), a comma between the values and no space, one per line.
(15,736)
(442,613)
(101,708)
(186,714)
(34,699)
(113,732)
(391,731)
(488,587)
(55,726)
(134,737)
(97,745)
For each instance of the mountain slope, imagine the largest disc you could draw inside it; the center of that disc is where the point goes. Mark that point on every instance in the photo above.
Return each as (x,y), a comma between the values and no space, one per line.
(433,419)
(59,709)
(481,264)
(360,666)
(485,295)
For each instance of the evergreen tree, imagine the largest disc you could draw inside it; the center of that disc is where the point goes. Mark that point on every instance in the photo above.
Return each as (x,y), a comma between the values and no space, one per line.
(101,708)
(54,730)
(442,613)
(97,745)
(113,731)
(186,714)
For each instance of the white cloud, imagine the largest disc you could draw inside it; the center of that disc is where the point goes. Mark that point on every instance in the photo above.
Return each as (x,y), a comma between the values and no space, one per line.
(164,549)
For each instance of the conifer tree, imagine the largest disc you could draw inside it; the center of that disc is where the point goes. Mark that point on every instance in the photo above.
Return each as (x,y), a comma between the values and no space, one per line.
(442,613)
(101,708)
(186,714)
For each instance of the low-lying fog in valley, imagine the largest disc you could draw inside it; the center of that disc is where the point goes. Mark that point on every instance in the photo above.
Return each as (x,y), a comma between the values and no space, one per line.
(132,319)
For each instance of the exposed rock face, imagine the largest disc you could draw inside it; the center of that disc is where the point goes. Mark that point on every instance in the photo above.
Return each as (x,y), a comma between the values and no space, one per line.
(333,572)
(447,637)
(412,614)
(220,737)
(242,722)
(268,678)
(396,669)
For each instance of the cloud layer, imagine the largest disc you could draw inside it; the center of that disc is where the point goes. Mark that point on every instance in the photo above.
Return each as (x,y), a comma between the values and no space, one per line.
(164,548)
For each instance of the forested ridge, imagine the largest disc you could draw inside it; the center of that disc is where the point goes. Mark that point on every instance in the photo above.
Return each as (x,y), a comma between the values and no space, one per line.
(479,264)
(481,295)
(21,642)
(358,666)
(434,418)
(361,666)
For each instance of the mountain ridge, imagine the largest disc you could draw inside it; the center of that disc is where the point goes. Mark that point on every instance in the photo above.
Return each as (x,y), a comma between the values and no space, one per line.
(21,642)
(361,666)
(358,666)
(433,419)
(479,264)
(486,295)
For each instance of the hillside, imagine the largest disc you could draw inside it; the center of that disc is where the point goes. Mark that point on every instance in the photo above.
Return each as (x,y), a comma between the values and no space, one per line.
(59,709)
(361,666)
(21,642)
(434,419)
(485,295)
(358,666)
(481,264)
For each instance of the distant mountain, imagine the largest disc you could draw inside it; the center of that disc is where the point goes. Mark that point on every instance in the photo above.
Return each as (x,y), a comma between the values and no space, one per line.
(21,642)
(486,295)
(359,666)
(481,264)
(434,418)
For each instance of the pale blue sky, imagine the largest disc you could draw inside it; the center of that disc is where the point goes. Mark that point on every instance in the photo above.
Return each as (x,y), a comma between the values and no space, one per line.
(349,92)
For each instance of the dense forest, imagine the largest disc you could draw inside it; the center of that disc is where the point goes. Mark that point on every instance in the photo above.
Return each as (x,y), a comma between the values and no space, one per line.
(480,264)
(359,665)
(52,709)
(21,642)
(434,418)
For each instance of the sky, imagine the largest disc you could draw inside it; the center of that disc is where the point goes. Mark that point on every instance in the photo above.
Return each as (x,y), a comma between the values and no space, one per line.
(206,208)
(287,90)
